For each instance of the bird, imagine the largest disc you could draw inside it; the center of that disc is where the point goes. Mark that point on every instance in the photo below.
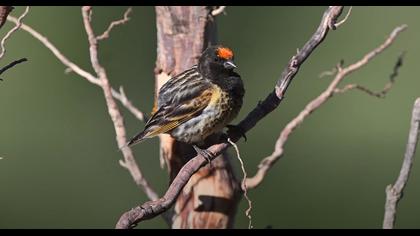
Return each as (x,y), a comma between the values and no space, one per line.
(197,102)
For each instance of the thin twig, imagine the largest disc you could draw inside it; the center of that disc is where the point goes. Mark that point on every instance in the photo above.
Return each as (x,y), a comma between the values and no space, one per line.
(75,68)
(151,209)
(269,161)
(243,184)
(218,10)
(128,158)
(12,64)
(394,192)
(379,94)
(106,33)
(113,110)
(7,36)
(92,79)
(127,104)
(328,73)
(345,18)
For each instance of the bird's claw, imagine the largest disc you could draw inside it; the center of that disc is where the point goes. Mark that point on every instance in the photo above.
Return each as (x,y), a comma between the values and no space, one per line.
(205,153)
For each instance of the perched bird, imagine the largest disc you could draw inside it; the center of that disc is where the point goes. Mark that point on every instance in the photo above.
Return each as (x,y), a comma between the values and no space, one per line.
(197,102)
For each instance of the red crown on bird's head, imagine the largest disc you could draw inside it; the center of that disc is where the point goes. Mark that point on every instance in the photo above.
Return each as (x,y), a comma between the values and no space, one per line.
(224,53)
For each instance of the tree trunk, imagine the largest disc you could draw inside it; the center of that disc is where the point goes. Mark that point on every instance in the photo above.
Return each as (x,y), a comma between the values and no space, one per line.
(211,197)
(4,12)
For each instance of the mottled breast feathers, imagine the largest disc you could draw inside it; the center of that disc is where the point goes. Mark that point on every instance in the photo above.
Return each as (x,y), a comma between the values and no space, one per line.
(195,103)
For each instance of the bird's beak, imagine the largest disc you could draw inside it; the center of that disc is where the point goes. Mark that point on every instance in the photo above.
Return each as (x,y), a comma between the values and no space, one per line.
(229,65)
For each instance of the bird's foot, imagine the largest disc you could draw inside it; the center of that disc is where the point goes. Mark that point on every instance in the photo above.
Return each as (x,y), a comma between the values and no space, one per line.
(205,153)
(236,131)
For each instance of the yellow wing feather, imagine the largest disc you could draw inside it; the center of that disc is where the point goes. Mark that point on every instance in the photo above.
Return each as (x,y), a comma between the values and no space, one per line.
(176,117)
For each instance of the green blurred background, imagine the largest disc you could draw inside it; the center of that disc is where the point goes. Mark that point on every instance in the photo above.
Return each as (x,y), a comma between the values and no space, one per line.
(60,161)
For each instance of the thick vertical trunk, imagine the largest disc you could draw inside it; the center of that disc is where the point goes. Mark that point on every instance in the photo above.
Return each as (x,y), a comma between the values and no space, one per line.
(210,198)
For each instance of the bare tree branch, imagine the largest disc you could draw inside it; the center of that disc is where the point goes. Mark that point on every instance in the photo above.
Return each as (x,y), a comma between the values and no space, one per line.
(153,208)
(102,81)
(345,18)
(384,91)
(92,79)
(328,73)
(105,34)
(7,36)
(243,184)
(113,110)
(75,68)
(394,192)
(269,161)
(4,12)
(12,64)
(127,104)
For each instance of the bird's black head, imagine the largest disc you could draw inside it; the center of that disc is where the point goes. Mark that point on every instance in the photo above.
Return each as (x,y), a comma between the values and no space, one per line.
(216,60)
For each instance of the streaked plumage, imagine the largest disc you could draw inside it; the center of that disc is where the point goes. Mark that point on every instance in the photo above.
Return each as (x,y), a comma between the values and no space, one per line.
(199,101)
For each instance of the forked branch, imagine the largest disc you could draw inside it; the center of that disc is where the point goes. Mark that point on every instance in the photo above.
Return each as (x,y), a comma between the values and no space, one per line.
(4,13)
(266,164)
(394,192)
(124,20)
(101,80)
(76,69)
(14,29)
(153,208)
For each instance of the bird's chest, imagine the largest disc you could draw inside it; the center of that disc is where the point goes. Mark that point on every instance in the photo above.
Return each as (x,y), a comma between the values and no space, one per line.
(220,111)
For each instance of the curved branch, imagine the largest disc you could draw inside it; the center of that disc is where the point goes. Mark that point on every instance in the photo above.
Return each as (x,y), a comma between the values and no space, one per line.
(11,64)
(269,161)
(243,184)
(124,20)
(345,18)
(379,94)
(153,208)
(127,104)
(7,36)
(88,76)
(75,68)
(394,192)
(129,163)
(114,113)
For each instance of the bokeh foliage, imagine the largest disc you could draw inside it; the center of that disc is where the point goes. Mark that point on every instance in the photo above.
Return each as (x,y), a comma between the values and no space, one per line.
(60,160)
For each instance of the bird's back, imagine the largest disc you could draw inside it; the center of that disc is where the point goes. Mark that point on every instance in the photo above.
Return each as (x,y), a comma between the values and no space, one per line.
(182,87)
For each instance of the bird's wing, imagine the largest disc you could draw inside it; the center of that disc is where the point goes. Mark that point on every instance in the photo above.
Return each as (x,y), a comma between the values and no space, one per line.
(168,117)
(181,87)
(180,99)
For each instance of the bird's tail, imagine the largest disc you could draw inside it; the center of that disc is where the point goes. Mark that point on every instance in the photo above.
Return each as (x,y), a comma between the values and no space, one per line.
(134,140)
